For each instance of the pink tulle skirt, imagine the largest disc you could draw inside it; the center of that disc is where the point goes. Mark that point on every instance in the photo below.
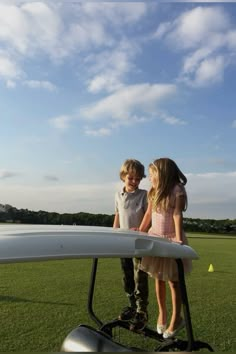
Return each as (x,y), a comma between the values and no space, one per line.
(164,268)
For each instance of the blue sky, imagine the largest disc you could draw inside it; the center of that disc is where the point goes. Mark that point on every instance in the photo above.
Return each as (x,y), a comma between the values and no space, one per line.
(85,85)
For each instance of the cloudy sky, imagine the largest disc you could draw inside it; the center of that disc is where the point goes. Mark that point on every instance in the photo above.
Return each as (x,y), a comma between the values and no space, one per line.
(85,85)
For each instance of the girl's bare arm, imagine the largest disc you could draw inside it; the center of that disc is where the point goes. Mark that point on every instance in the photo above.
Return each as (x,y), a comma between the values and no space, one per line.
(146,222)
(178,217)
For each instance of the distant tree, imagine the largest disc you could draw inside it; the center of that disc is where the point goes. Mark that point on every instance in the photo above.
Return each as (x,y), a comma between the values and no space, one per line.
(11,214)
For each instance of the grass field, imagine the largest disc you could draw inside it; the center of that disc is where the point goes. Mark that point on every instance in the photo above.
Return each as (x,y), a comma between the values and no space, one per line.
(40,303)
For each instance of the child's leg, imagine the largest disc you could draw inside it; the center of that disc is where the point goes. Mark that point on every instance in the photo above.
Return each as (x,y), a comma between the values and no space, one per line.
(128,279)
(141,295)
(176,305)
(160,286)
(141,286)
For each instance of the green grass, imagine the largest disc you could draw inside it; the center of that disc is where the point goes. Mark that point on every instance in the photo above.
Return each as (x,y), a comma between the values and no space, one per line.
(40,303)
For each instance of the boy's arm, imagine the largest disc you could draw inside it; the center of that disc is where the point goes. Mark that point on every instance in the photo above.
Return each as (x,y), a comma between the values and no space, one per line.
(146,222)
(178,217)
(116,223)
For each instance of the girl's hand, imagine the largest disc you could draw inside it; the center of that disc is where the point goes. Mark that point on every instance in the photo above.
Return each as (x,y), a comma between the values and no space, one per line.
(179,241)
(134,228)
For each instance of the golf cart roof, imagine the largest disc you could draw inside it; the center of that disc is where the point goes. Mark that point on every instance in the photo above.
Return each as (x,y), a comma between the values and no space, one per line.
(21,243)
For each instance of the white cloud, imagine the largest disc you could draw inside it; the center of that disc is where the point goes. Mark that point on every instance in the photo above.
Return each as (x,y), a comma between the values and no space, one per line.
(110,67)
(9,70)
(207,197)
(208,187)
(162,29)
(208,72)
(7,174)
(51,178)
(46,27)
(27,30)
(36,84)
(116,12)
(169,119)
(193,28)
(35,29)
(127,106)
(231,39)
(108,81)
(125,103)
(13,27)
(10,84)
(192,62)
(30,27)
(87,35)
(92,28)
(61,123)
(205,35)
(93,198)
(98,132)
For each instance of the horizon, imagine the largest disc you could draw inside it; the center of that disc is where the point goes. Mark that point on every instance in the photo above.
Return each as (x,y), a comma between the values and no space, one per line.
(86,85)
(84,212)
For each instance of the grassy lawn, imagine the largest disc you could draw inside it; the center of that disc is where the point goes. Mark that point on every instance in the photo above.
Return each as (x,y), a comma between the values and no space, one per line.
(40,303)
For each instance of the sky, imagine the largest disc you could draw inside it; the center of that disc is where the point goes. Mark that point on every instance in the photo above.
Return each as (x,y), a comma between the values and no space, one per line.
(85,85)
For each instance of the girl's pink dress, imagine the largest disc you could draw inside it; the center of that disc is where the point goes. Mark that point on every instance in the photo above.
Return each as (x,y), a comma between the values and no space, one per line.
(163,226)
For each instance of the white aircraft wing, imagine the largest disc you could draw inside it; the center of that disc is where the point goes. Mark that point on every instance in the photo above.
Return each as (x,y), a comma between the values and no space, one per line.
(22,243)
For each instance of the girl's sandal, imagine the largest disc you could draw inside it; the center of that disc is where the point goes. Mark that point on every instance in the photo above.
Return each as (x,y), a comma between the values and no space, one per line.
(161,328)
(168,334)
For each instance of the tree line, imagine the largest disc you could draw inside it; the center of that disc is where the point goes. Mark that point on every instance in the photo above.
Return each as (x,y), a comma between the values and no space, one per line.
(10,214)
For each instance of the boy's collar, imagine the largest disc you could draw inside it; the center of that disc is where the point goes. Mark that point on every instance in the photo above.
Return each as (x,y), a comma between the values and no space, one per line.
(124,191)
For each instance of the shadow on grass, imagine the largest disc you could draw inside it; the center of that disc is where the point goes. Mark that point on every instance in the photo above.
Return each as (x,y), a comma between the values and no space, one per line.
(18,299)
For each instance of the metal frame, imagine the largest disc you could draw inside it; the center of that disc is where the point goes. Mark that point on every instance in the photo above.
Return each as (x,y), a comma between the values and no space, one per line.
(165,345)
(24,243)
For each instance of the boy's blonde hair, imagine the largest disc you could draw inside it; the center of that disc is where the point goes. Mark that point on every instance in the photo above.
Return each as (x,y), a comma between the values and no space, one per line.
(168,175)
(132,166)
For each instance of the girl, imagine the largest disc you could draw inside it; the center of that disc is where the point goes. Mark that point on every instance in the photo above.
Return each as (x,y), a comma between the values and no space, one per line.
(167,200)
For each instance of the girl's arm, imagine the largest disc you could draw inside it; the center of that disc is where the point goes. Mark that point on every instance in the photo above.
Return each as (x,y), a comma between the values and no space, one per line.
(178,217)
(146,222)
(116,223)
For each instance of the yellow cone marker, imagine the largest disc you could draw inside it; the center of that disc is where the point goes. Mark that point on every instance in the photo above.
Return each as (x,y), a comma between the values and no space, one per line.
(211,269)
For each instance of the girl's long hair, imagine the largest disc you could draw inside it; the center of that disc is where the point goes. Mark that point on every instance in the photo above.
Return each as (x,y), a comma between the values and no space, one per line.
(168,175)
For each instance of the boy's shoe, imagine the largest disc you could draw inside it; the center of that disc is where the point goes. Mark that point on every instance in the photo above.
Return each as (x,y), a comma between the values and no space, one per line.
(139,322)
(127,314)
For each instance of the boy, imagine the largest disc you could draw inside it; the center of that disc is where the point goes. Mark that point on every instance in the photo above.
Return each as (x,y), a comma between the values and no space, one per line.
(130,207)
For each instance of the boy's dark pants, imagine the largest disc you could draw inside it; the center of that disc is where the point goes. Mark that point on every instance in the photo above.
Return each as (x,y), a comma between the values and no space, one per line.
(135,283)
